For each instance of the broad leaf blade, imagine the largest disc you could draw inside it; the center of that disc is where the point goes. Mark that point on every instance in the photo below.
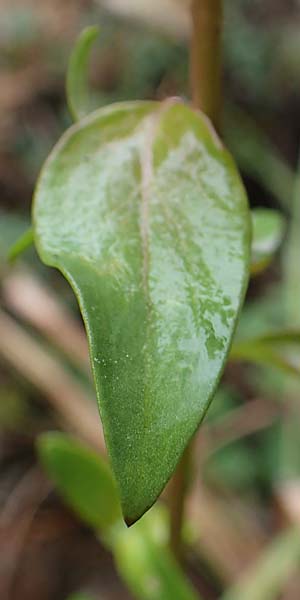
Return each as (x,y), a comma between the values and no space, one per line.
(82,478)
(143,211)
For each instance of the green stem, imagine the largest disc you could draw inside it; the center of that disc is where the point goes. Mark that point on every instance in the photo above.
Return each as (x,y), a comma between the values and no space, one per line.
(205,67)
(176,499)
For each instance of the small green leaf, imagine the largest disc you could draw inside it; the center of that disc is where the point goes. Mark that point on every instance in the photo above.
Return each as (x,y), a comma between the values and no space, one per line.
(268,231)
(82,478)
(266,579)
(143,211)
(85,482)
(23,242)
(77,76)
(279,349)
(147,566)
(12,227)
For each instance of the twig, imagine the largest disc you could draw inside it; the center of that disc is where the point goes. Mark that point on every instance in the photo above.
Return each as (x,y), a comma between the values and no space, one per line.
(206,57)
(205,67)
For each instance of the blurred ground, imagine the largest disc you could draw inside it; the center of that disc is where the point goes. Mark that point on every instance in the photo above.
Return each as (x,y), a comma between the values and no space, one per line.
(45,552)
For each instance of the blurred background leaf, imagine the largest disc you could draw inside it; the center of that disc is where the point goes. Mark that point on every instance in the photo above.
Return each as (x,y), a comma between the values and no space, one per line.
(266,580)
(83,479)
(85,482)
(268,231)
(77,87)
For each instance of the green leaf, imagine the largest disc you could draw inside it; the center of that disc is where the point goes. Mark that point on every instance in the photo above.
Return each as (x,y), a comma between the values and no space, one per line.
(82,478)
(143,211)
(279,349)
(147,566)
(12,227)
(77,76)
(85,482)
(268,231)
(266,579)
(22,243)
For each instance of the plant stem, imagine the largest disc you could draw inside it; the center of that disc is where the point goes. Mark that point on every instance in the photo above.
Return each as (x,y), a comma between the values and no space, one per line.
(205,68)
(176,498)
(205,61)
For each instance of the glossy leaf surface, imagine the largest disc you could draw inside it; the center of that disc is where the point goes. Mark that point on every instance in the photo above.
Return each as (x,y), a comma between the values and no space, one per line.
(83,478)
(143,211)
(268,231)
